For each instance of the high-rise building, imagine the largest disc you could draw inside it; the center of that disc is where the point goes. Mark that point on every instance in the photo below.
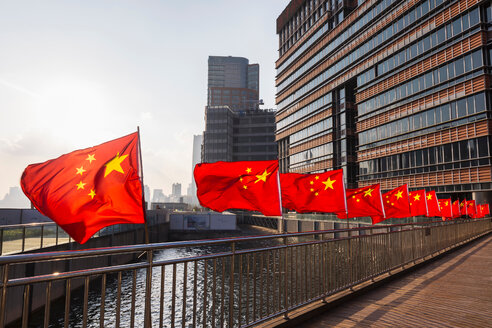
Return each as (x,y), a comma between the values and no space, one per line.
(176,190)
(15,198)
(159,197)
(147,195)
(196,158)
(233,82)
(235,128)
(392,91)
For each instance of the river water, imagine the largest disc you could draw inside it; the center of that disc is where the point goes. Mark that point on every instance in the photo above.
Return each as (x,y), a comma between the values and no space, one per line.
(216,292)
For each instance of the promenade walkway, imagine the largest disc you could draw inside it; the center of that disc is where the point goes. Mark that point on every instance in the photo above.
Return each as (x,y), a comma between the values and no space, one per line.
(452,291)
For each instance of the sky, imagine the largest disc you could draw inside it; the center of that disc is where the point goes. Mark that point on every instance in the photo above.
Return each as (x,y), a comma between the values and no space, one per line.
(74,74)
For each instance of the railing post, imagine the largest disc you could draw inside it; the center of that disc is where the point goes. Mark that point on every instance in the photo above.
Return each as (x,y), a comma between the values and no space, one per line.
(1,243)
(402,253)
(350,259)
(231,286)
(4,294)
(413,243)
(324,266)
(42,235)
(286,305)
(23,239)
(148,292)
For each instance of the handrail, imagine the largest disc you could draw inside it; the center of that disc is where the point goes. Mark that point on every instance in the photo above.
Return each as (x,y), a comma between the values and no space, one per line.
(22,225)
(35,257)
(18,238)
(267,277)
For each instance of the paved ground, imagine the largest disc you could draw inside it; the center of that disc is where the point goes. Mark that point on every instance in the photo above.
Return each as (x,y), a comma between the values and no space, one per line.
(15,246)
(453,291)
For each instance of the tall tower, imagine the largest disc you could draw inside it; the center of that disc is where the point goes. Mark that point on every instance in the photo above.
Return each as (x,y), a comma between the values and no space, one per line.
(176,190)
(196,158)
(233,82)
(235,128)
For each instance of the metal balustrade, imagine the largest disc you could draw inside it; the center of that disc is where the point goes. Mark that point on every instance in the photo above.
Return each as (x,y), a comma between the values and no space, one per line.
(19,238)
(230,282)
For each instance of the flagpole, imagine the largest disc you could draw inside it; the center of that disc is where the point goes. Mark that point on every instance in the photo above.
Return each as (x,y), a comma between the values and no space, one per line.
(280,201)
(345,200)
(146,226)
(426,207)
(148,287)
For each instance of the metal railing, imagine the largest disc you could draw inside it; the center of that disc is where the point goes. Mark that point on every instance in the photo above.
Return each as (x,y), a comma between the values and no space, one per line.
(19,238)
(230,282)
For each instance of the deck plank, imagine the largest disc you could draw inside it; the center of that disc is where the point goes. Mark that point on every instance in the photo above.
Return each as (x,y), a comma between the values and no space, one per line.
(453,291)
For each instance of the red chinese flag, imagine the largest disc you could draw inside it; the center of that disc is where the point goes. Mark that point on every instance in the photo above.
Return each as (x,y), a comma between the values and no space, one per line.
(471,208)
(247,185)
(480,211)
(463,207)
(396,204)
(89,189)
(432,204)
(486,209)
(321,192)
(418,203)
(456,209)
(446,209)
(362,202)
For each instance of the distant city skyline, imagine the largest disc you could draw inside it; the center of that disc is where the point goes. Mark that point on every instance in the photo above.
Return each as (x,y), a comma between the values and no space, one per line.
(74,75)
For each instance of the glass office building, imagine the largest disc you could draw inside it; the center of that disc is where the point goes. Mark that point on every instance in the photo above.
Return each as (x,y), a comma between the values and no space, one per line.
(235,128)
(392,91)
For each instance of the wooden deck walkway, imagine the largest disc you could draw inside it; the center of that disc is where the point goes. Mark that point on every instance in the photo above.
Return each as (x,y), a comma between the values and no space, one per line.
(453,291)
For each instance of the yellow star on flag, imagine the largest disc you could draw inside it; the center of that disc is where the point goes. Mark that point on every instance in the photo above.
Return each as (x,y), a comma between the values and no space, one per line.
(115,164)
(81,185)
(416,197)
(245,187)
(368,192)
(328,183)
(91,158)
(263,176)
(92,193)
(311,182)
(399,194)
(80,170)
(316,194)
(248,170)
(429,196)
(316,177)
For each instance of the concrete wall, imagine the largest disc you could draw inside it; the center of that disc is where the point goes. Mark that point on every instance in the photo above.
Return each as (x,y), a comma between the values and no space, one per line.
(19,216)
(190,221)
(24,215)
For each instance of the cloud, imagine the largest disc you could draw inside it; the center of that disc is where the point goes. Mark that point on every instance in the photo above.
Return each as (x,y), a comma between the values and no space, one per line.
(32,144)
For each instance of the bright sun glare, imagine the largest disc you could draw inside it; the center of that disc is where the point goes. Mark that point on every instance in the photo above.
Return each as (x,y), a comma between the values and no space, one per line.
(73,107)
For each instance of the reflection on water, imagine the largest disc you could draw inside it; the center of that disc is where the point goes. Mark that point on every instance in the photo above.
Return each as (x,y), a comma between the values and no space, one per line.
(183,292)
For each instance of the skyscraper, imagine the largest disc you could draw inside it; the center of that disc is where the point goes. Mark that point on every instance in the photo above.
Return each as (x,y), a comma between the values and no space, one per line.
(392,91)
(233,82)
(176,190)
(196,158)
(235,128)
